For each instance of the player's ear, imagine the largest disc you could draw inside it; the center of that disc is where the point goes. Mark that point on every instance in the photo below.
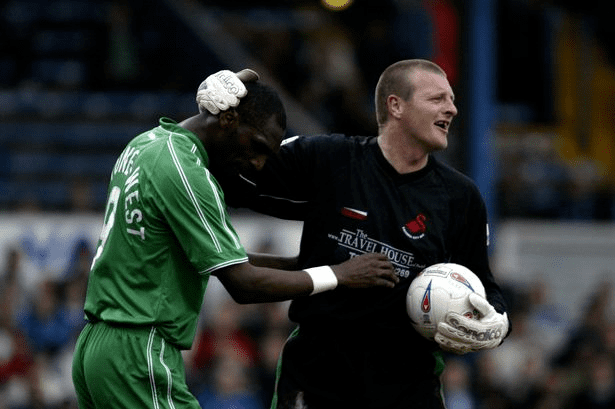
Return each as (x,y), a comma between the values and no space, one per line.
(228,118)
(394,105)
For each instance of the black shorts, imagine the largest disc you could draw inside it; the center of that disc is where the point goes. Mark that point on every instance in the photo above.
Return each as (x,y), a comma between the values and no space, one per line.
(335,368)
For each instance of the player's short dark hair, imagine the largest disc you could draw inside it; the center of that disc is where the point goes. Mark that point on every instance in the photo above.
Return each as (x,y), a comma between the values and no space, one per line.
(396,79)
(259,105)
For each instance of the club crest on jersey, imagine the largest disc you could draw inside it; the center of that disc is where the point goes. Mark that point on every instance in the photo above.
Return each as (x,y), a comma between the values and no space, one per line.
(416,228)
(426,301)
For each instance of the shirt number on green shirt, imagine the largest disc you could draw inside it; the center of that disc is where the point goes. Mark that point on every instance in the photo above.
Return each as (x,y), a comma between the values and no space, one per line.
(109,221)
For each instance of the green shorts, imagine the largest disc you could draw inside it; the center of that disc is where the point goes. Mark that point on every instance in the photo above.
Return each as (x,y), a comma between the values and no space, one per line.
(129,367)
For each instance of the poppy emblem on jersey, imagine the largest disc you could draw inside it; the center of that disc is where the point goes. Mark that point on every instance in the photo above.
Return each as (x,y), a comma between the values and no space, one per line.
(416,228)
(426,301)
(458,277)
(354,213)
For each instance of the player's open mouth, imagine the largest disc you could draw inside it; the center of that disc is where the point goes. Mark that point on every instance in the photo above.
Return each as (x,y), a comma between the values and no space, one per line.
(443,124)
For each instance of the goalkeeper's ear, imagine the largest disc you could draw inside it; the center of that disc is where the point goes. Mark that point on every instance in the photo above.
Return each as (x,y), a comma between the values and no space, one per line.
(248,75)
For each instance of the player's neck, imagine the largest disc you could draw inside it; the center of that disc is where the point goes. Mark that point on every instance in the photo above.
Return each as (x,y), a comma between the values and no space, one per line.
(403,157)
(198,124)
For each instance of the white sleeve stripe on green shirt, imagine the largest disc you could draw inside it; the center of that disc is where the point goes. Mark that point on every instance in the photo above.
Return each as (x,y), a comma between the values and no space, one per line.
(222,212)
(224,264)
(193,150)
(191,194)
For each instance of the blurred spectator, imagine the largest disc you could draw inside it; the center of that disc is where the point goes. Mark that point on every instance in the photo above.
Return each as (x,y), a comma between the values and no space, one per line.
(544,178)
(18,373)
(51,380)
(457,388)
(45,322)
(536,182)
(12,290)
(588,336)
(73,287)
(556,391)
(583,189)
(72,299)
(546,326)
(599,393)
(80,260)
(516,368)
(46,326)
(269,348)
(577,375)
(261,319)
(224,337)
(229,387)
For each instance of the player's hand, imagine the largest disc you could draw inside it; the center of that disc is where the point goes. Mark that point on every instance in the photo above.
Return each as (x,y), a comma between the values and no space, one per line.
(367,270)
(459,334)
(223,90)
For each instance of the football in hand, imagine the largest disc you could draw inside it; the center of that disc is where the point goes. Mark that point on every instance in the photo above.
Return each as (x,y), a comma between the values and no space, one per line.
(437,290)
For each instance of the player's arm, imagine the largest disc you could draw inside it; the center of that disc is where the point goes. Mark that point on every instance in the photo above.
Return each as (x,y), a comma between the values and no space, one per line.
(273,261)
(284,188)
(287,185)
(247,283)
(459,334)
(471,249)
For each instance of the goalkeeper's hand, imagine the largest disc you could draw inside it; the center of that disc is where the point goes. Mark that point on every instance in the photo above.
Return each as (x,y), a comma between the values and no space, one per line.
(460,335)
(223,90)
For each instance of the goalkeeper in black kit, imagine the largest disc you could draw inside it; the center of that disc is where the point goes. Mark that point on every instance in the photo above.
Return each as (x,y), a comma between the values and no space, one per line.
(356,348)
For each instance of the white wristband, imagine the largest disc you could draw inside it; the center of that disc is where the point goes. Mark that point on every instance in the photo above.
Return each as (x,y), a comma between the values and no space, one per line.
(323,278)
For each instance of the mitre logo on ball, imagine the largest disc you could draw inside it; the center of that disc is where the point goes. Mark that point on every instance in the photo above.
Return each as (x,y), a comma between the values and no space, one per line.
(426,304)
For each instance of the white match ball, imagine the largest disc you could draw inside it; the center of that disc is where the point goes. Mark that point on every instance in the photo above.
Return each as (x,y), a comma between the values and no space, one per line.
(437,290)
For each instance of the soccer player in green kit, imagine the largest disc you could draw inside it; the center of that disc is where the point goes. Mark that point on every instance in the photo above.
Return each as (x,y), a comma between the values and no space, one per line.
(166,230)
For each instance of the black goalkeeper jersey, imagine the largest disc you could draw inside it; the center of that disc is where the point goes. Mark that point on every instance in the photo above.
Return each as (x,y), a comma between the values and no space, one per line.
(352,201)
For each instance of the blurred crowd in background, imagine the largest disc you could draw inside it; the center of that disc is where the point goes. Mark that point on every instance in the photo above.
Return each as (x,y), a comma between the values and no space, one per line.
(548,362)
(127,62)
(52,52)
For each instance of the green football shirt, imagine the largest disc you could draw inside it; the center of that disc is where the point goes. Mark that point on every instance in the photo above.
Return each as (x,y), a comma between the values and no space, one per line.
(166,229)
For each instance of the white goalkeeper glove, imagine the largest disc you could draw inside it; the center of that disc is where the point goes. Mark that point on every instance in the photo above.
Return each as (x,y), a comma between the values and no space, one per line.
(223,90)
(460,335)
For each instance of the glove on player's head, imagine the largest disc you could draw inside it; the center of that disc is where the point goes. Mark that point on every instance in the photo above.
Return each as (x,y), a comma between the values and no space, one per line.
(223,90)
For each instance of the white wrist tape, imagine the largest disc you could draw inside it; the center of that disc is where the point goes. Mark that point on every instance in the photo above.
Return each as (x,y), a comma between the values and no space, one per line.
(323,278)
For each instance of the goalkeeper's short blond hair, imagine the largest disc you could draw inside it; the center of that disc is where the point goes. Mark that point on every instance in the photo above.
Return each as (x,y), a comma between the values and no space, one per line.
(398,79)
